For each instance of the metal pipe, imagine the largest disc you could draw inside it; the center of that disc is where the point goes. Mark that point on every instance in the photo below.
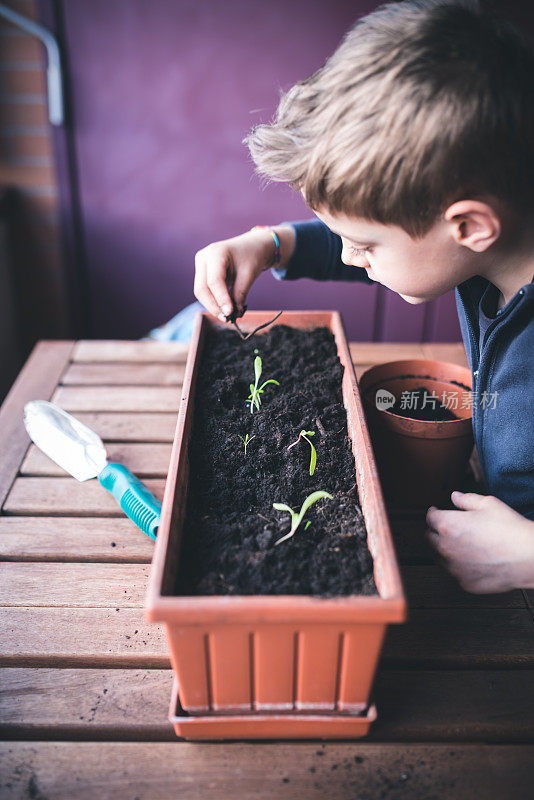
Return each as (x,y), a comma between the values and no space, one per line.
(53,71)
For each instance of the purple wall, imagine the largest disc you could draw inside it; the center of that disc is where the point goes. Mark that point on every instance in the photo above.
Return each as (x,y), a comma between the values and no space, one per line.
(163,93)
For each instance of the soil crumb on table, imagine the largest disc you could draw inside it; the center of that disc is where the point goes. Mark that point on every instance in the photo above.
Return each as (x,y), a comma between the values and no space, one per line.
(230,524)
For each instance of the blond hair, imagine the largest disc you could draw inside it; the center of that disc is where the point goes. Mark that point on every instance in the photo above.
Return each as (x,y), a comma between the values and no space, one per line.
(423,103)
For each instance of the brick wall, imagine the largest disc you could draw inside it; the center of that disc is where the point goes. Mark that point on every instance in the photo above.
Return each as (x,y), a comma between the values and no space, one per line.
(27,167)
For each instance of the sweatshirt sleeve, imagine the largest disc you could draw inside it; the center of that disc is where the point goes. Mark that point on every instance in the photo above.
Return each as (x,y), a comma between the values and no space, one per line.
(317,255)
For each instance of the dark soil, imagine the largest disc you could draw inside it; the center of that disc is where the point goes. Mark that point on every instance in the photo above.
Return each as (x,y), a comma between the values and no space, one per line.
(230,524)
(424,407)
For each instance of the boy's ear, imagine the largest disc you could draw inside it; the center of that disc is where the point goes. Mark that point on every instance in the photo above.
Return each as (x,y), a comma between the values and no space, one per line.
(474,224)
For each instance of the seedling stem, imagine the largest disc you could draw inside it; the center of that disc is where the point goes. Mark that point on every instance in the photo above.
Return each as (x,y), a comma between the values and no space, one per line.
(313,458)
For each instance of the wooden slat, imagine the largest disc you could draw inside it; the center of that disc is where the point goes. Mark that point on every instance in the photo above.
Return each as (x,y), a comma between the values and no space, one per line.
(117,398)
(378,352)
(98,637)
(410,542)
(117,374)
(80,539)
(67,496)
(454,353)
(286,771)
(461,637)
(142,427)
(143,459)
(138,352)
(73,585)
(84,703)
(36,381)
(73,539)
(449,705)
(131,704)
(361,368)
(430,586)
(90,539)
(432,638)
(84,585)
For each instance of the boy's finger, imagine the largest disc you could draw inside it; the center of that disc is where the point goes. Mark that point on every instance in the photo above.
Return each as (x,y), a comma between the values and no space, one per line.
(433,518)
(216,282)
(242,284)
(203,294)
(441,520)
(468,501)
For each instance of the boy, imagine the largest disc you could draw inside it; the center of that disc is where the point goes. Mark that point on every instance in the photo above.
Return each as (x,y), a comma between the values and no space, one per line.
(414,146)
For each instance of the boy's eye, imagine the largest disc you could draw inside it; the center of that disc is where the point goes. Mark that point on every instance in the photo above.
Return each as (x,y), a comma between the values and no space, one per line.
(358,251)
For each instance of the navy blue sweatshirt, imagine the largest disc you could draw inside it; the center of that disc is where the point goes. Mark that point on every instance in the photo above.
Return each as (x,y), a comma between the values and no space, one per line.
(500,350)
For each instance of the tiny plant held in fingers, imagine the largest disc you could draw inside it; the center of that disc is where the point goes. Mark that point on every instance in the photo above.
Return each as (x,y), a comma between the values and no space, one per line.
(313,458)
(296,517)
(245,439)
(255,390)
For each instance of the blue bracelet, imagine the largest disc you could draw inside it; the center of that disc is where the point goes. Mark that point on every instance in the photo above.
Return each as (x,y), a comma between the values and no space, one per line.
(276,242)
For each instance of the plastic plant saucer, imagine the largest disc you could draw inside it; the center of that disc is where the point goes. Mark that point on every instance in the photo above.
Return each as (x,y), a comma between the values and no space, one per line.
(261,725)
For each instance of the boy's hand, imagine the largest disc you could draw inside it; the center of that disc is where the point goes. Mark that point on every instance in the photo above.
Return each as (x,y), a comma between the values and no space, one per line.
(227,269)
(486,545)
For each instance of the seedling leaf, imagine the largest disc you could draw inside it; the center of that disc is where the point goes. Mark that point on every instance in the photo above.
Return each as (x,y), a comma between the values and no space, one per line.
(296,519)
(246,440)
(283,507)
(254,396)
(257,368)
(311,499)
(313,458)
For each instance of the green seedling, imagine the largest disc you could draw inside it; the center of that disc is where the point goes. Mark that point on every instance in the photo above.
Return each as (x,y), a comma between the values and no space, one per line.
(256,390)
(245,439)
(313,458)
(296,518)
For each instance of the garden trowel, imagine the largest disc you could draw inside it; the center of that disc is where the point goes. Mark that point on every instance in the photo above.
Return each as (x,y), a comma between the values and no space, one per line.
(81,452)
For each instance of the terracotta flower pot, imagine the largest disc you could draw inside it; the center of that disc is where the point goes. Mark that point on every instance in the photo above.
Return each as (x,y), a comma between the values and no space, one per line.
(420,461)
(268,656)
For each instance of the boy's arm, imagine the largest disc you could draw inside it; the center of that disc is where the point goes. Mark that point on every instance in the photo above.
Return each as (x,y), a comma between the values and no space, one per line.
(317,255)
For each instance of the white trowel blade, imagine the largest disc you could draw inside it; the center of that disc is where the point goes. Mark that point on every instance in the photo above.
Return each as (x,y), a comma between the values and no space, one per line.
(67,441)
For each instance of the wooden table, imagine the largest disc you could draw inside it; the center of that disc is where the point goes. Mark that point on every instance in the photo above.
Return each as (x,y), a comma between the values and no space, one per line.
(86,681)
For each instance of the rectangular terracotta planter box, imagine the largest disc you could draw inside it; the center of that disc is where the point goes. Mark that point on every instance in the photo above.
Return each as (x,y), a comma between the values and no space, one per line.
(283,653)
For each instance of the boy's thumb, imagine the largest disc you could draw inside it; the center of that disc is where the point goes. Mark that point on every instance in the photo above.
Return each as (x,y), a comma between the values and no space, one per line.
(468,501)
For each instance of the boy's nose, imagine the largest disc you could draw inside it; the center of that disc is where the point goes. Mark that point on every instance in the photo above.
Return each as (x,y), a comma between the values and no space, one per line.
(354,261)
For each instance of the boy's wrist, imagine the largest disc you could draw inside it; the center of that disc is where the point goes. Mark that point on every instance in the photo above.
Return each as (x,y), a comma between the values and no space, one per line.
(288,240)
(283,241)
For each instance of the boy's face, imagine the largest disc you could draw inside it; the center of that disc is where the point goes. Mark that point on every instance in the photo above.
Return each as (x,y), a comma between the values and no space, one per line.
(417,269)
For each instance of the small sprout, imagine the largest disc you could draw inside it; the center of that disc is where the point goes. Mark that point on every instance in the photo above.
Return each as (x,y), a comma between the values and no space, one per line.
(246,439)
(256,390)
(313,458)
(296,518)
(308,523)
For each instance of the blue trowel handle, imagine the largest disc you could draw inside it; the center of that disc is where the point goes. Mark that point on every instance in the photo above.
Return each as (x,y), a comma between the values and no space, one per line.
(133,497)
